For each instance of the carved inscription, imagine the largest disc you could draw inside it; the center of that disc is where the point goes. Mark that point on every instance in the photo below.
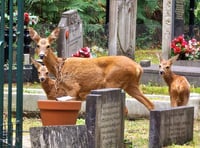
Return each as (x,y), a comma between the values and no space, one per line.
(171,126)
(179,12)
(177,126)
(110,124)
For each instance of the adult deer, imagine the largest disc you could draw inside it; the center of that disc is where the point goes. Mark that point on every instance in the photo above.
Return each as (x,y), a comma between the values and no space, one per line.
(179,87)
(48,84)
(78,76)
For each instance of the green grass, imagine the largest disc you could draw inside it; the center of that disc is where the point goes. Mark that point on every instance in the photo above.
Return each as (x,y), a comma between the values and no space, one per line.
(147,55)
(136,132)
(162,90)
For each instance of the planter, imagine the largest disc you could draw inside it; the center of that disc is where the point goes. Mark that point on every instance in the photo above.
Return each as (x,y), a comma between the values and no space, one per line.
(54,112)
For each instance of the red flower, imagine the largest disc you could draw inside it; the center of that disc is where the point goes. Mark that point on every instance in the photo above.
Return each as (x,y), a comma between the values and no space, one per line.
(177,50)
(82,52)
(184,43)
(26,18)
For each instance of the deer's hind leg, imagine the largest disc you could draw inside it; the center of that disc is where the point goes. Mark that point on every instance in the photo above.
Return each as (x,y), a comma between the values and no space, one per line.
(184,98)
(134,91)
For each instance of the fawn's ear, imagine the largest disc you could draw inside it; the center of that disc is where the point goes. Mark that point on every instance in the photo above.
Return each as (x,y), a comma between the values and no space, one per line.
(33,34)
(54,35)
(35,63)
(173,59)
(159,56)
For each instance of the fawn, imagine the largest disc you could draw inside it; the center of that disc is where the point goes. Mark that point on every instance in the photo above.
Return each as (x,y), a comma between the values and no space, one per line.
(48,84)
(78,76)
(179,87)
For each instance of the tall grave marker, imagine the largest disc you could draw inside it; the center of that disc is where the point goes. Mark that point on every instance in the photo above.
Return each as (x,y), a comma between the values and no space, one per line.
(105,118)
(172,23)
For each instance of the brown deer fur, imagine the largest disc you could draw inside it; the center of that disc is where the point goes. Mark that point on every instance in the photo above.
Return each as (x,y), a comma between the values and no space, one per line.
(179,87)
(78,76)
(48,84)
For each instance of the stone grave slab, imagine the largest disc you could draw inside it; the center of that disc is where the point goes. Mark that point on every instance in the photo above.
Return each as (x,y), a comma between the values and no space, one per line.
(171,126)
(72,136)
(105,118)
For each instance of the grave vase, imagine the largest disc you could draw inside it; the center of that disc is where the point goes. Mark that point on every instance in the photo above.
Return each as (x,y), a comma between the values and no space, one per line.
(54,112)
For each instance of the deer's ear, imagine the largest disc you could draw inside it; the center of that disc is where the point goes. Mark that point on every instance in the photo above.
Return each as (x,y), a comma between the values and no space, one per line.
(33,34)
(173,59)
(159,56)
(54,35)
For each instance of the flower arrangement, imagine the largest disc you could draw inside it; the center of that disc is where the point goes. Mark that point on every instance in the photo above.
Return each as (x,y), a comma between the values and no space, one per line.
(188,50)
(94,52)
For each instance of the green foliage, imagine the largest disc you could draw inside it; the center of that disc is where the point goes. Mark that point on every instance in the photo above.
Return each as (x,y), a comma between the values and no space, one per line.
(94,33)
(92,13)
(47,10)
(50,12)
(197,13)
(147,23)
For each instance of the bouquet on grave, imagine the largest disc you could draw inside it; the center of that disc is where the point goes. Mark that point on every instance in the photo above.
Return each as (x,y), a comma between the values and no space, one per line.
(187,50)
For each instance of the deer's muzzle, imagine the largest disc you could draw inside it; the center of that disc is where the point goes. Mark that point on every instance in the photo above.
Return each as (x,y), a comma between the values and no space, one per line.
(161,72)
(41,56)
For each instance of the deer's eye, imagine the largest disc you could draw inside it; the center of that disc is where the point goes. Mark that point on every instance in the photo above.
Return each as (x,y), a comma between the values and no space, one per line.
(38,73)
(47,73)
(38,46)
(159,66)
(48,46)
(167,67)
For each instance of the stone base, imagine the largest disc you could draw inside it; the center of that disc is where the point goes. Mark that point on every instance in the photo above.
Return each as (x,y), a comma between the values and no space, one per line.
(195,63)
(151,74)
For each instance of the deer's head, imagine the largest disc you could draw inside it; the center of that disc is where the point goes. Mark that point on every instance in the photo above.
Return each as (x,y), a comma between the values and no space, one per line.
(43,44)
(42,70)
(165,65)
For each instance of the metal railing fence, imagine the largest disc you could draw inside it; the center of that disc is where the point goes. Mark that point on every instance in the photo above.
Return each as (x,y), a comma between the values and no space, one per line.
(11,131)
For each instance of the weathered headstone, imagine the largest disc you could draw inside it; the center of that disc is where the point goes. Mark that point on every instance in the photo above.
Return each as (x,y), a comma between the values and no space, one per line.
(70,39)
(171,126)
(59,137)
(178,18)
(122,27)
(105,118)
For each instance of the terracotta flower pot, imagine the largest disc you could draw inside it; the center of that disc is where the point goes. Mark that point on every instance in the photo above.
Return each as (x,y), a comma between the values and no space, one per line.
(59,113)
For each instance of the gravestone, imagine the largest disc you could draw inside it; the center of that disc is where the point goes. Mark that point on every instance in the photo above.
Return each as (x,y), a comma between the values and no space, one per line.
(122,27)
(105,118)
(59,137)
(70,38)
(178,18)
(171,126)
